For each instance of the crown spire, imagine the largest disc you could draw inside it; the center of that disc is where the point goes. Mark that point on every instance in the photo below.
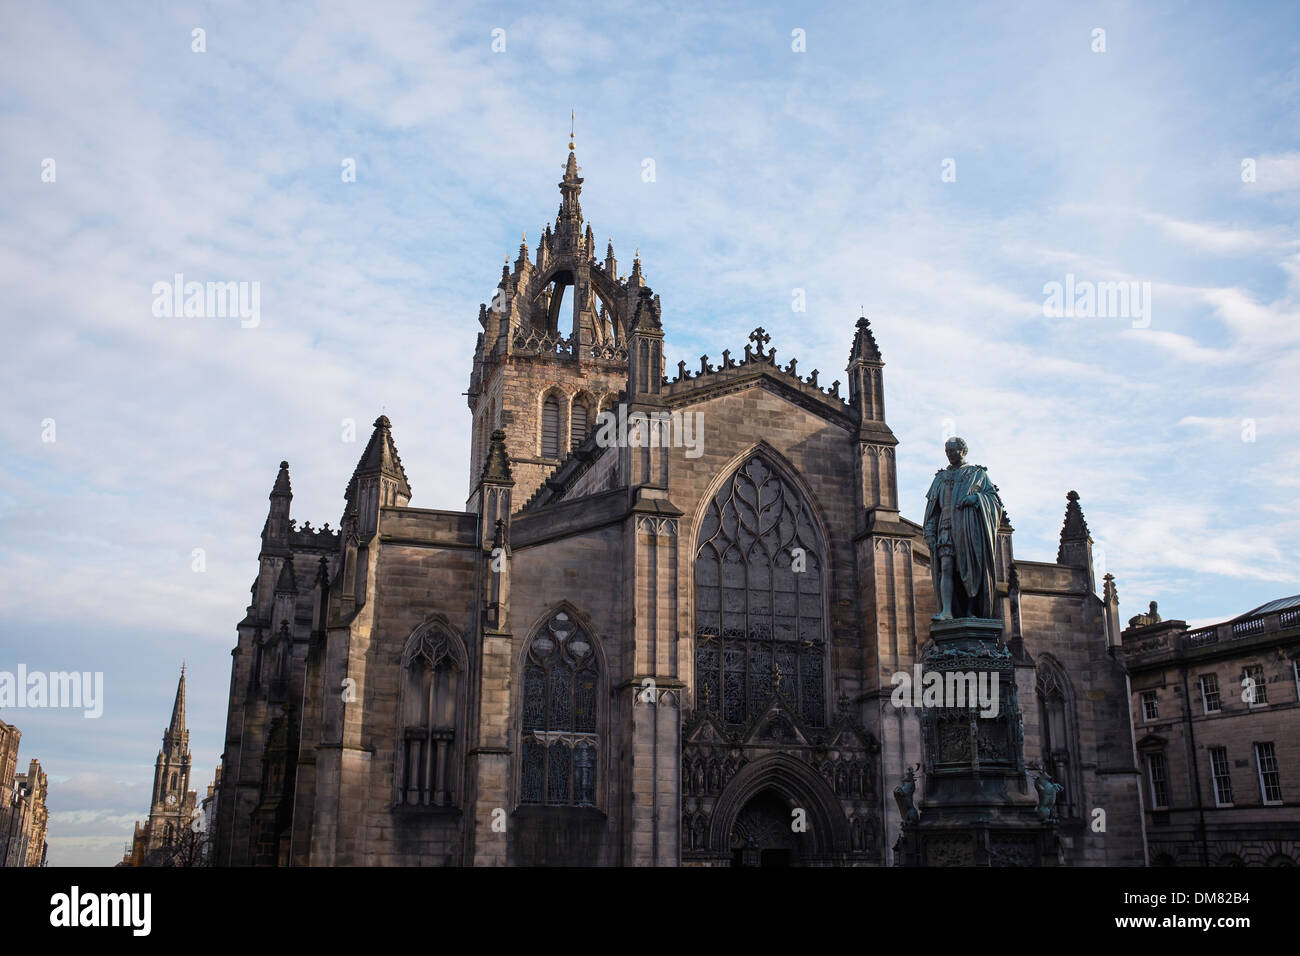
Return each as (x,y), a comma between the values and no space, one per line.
(568,224)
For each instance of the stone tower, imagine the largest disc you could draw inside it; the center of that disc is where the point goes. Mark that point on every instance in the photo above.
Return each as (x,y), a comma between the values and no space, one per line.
(172,800)
(545,367)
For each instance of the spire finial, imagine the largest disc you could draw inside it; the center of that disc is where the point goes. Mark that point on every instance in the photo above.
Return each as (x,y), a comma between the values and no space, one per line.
(571,122)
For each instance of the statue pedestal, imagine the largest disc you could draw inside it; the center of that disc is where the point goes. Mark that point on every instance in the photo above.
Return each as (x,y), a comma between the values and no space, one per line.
(977,808)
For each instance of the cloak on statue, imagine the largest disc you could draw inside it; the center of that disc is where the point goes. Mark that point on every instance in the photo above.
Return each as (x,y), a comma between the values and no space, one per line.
(974,530)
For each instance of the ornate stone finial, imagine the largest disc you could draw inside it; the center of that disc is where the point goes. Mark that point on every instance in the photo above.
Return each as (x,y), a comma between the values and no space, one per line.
(705,367)
(282,488)
(1074,532)
(864,344)
(572,120)
(497,466)
(760,338)
(383,422)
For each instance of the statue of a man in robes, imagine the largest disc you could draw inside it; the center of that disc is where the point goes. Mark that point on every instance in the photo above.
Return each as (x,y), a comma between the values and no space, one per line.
(962,514)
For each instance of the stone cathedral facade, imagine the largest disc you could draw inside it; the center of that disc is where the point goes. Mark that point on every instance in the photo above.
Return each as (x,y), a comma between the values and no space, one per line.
(642,651)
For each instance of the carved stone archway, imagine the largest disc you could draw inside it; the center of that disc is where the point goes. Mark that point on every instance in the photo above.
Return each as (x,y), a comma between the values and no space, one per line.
(761,802)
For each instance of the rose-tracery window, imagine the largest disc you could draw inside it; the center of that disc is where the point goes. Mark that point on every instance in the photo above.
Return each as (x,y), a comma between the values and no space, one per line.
(560,747)
(759,599)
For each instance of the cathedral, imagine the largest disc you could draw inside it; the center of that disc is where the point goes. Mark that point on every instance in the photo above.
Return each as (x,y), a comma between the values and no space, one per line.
(662,631)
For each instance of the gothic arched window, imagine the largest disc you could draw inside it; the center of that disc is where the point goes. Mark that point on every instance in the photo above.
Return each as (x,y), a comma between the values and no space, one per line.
(759,627)
(578,424)
(427,768)
(551,427)
(1058,738)
(560,746)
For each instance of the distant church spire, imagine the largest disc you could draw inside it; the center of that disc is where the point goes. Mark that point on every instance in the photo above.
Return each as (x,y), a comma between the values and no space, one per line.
(177,727)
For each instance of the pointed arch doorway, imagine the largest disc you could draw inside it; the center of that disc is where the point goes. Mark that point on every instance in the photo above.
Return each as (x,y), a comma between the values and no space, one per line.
(777,811)
(762,835)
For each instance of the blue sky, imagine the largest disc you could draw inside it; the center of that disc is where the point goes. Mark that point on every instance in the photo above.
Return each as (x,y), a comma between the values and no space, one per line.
(775,170)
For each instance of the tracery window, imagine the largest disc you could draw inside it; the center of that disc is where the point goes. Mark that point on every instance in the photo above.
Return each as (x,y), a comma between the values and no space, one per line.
(426,765)
(560,746)
(759,582)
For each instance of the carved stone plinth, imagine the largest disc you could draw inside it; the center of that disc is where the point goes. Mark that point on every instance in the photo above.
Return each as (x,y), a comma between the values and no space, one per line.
(977,807)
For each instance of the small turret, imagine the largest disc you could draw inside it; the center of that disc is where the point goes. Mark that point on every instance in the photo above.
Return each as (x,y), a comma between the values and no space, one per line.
(275,533)
(1076,543)
(877,471)
(611,264)
(645,369)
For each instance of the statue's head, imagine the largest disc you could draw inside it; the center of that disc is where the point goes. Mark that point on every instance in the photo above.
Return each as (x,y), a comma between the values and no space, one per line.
(955,448)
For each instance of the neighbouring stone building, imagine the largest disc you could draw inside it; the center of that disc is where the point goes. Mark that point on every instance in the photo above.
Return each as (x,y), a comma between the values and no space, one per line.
(1217,715)
(167,832)
(24,817)
(642,645)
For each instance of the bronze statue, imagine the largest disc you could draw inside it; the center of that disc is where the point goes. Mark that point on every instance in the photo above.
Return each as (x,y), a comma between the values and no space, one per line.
(962,514)
(1048,789)
(904,795)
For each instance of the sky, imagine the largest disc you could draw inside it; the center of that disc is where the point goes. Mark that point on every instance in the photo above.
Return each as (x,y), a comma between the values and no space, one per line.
(937,166)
